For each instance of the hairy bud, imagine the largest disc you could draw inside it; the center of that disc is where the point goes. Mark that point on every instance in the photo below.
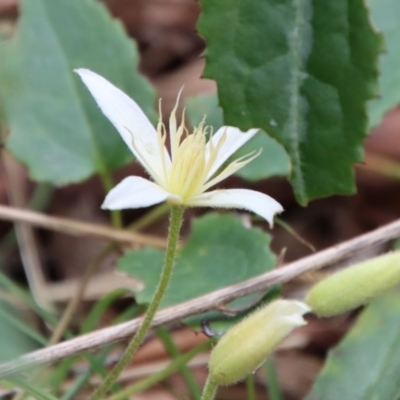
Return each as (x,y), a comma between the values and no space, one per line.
(355,286)
(246,345)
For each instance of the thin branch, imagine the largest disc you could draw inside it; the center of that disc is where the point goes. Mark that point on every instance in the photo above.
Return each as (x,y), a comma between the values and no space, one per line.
(204,303)
(27,243)
(78,228)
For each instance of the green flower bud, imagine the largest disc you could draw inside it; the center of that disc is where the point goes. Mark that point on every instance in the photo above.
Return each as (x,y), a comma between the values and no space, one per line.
(246,345)
(355,286)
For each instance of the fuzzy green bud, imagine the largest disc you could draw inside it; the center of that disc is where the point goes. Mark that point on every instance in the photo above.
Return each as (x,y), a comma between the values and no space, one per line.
(355,286)
(246,345)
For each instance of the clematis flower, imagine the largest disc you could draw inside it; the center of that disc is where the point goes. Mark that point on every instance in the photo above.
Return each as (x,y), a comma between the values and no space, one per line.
(183,175)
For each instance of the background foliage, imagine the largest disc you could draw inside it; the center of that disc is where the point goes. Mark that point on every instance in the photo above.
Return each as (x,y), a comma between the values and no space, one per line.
(314,75)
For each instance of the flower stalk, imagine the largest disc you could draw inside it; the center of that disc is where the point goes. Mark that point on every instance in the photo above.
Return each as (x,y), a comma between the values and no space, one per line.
(210,389)
(176,218)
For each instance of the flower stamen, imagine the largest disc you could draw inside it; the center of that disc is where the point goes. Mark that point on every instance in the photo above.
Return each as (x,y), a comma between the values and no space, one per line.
(161,140)
(232,168)
(213,152)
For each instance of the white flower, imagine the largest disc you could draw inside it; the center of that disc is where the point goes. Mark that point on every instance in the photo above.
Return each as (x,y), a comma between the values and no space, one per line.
(183,175)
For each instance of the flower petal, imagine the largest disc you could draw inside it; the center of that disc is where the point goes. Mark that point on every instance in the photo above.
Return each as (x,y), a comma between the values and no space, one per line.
(134,192)
(235,139)
(128,119)
(257,202)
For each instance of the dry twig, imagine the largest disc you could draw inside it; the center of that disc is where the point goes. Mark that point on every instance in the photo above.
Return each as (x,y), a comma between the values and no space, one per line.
(204,303)
(27,243)
(78,228)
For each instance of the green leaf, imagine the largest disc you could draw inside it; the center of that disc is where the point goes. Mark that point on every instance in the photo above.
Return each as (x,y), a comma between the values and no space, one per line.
(366,364)
(17,338)
(56,129)
(302,71)
(204,105)
(219,252)
(273,160)
(386,16)
(32,388)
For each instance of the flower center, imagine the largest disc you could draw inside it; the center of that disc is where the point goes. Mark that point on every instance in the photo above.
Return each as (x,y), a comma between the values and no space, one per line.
(189,167)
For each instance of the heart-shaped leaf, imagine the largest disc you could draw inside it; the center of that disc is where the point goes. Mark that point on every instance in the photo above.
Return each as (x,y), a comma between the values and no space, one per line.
(273,160)
(56,129)
(302,71)
(219,252)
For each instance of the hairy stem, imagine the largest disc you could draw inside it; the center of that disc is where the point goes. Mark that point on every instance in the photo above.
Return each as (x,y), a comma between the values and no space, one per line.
(173,237)
(210,389)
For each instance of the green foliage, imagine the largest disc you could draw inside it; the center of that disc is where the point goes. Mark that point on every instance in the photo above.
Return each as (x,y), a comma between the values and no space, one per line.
(204,105)
(273,160)
(302,71)
(32,388)
(16,336)
(55,127)
(219,252)
(365,365)
(386,16)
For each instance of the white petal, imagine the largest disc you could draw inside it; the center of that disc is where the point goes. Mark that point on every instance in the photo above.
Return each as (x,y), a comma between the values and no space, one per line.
(300,307)
(257,202)
(128,119)
(294,320)
(235,139)
(134,192)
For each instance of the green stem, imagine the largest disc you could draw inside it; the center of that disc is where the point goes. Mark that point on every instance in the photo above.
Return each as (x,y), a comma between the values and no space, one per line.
(173,237)
(174,352)
(274,390)
(158,376)
(116,217)
(210,389)
(251,387)
(33,390)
